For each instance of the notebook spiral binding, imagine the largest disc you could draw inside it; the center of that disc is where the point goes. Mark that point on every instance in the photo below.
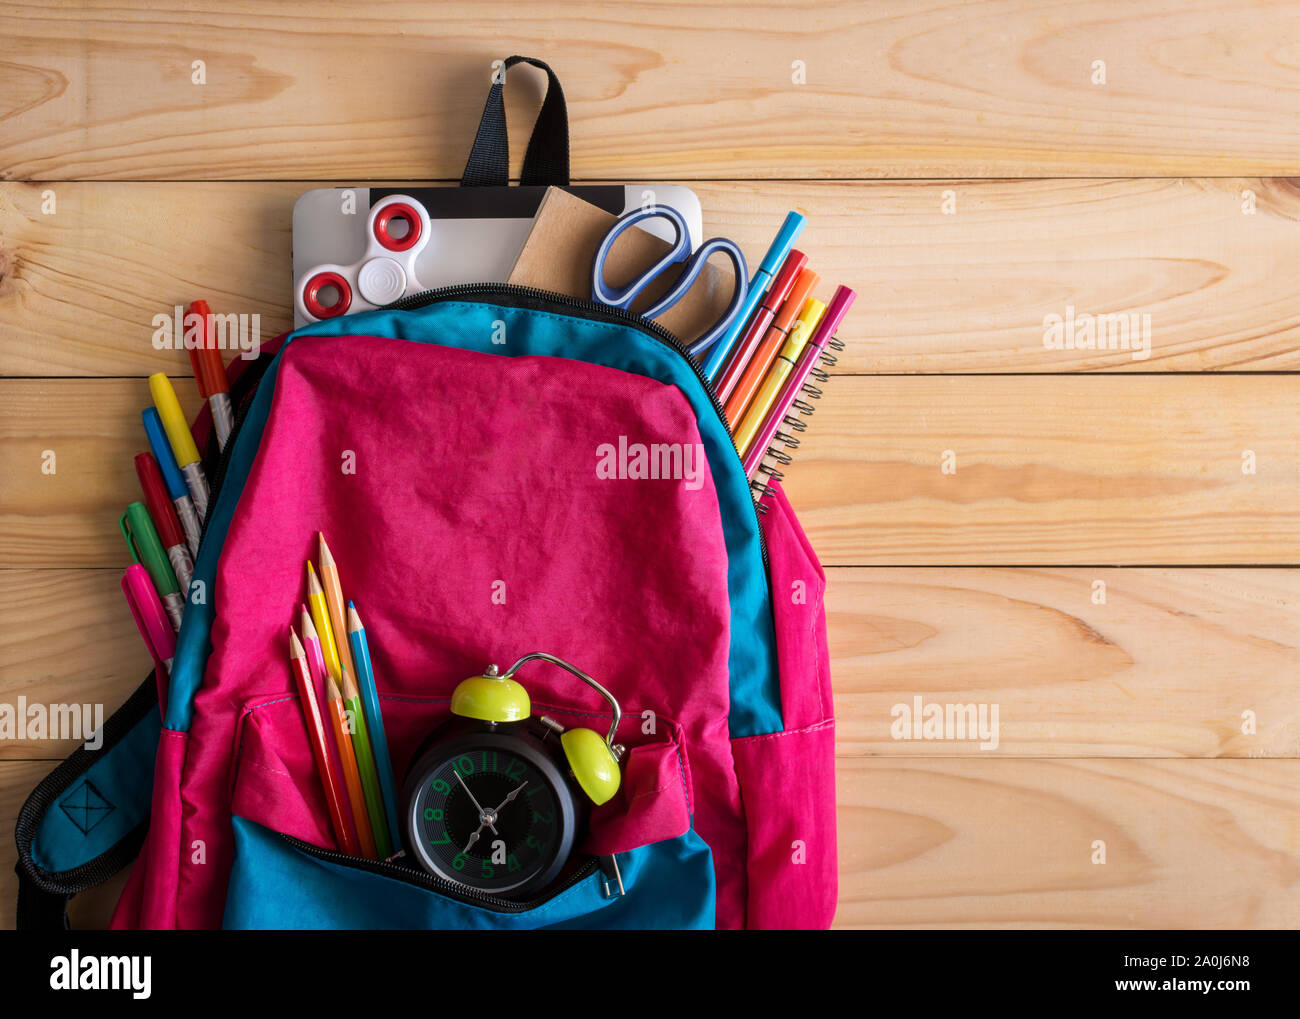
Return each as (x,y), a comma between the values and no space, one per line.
(779,454)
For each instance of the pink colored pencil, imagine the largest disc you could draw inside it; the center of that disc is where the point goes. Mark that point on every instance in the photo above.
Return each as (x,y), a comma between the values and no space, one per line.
(315,656)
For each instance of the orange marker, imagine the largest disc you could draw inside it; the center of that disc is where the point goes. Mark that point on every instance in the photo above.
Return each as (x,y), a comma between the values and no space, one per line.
(777,334)
(351,776)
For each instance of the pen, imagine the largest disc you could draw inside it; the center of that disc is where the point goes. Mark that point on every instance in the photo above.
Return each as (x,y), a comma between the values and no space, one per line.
(766,352)
(174,479)
(210,374)
(181,440)
(812,352)
(152,622)
(164,519)
(145,547)
(726,380)
(808,320)
(791,228)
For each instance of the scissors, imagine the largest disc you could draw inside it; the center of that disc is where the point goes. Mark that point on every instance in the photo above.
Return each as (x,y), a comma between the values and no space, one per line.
(622,297)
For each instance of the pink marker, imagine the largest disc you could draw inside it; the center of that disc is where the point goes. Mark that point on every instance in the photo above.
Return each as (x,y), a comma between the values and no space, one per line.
(152,622)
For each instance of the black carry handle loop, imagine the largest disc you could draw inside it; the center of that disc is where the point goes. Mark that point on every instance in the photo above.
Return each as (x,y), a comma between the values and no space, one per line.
(547,160)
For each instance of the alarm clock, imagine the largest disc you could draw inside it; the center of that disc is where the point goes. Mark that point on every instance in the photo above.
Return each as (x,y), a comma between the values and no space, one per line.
(496,799)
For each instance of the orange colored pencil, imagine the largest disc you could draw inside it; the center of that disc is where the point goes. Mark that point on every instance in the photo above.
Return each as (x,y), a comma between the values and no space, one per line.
(351,776)
(319,747)
(329,579)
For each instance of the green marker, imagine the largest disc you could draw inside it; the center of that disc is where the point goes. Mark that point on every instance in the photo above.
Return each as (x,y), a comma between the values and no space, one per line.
(147,548)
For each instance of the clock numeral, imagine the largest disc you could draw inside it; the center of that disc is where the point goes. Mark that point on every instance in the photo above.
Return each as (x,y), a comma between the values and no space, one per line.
(516,771)
(445,840)
(464,766)
(487,870)
(533,843)
(439,786)
(546,817)
(513,864)
(460,861)
(432,814)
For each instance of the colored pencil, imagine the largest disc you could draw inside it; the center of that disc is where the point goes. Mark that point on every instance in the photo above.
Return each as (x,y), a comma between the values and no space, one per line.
(321,617)
(311,641)
(366,766)
(319,748)
(374,720)
(348,759)
(329,578)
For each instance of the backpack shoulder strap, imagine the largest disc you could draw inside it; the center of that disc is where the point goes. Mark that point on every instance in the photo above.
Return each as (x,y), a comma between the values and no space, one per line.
(88,818)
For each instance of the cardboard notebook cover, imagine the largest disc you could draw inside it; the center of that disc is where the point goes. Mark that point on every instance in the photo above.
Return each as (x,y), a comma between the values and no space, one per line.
(561,249)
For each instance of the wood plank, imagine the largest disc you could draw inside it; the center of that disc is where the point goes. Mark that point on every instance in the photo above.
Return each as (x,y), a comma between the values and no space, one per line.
(1166,667)
(1113,469)
(87,911)
(966,292)
(66,637)
(1064,470)
(664,90)
(984,843)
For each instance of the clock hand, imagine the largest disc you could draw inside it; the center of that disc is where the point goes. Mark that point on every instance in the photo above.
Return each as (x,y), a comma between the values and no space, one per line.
(472,839)
(515,792)
(481,812)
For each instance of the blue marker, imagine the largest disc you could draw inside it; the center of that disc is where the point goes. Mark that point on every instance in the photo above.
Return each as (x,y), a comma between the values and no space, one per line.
(785,238)
(173,478)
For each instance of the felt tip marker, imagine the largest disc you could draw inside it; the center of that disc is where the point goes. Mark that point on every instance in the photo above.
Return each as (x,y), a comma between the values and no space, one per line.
(173,478)
(181,440)
(790,230)
(164,518)
(210,374)
(145,547)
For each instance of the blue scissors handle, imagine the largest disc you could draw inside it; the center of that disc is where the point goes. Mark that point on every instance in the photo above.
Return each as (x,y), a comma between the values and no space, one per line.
(623,297)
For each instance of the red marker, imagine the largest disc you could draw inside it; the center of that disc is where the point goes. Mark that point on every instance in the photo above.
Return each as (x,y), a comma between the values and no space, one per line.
(165,521)
(210,374)
(757,328)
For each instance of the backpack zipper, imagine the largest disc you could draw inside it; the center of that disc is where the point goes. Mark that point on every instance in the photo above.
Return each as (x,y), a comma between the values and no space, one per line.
(451,890)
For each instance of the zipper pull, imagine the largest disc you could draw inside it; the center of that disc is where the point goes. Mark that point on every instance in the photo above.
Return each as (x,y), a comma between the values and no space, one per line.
(609,867)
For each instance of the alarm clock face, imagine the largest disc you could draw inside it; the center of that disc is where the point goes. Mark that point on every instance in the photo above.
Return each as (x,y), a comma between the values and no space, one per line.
(491,811)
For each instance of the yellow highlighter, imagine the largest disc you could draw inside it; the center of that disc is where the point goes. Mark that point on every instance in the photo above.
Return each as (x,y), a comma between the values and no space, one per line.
(320,616)
(181,441)
(809,316)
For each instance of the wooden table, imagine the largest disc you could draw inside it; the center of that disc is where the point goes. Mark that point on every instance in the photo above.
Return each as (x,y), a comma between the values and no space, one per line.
(1102,546)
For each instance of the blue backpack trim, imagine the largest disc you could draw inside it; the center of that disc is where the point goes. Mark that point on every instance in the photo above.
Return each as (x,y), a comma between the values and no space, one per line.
(273,885)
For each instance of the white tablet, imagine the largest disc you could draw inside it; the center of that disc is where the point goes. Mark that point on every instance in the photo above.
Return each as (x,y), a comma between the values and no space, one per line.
(356,249)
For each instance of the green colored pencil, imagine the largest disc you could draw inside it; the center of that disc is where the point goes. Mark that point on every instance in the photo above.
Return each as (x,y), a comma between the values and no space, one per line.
(366,766)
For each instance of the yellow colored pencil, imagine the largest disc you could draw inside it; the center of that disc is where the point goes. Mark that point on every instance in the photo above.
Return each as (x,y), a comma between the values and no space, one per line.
(321,617)
(329,577)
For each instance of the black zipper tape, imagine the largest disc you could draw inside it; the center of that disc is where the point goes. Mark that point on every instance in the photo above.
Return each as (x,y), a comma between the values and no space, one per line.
(461,893)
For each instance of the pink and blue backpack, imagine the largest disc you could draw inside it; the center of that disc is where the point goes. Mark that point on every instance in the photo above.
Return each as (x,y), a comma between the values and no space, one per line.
(457,477)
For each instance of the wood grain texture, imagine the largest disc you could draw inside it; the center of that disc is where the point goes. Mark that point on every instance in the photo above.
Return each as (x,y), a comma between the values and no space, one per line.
(103,90)
(66,637)
(963,292)
(1060,470)
(1189,844)
(1166,667)
(1049,471)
